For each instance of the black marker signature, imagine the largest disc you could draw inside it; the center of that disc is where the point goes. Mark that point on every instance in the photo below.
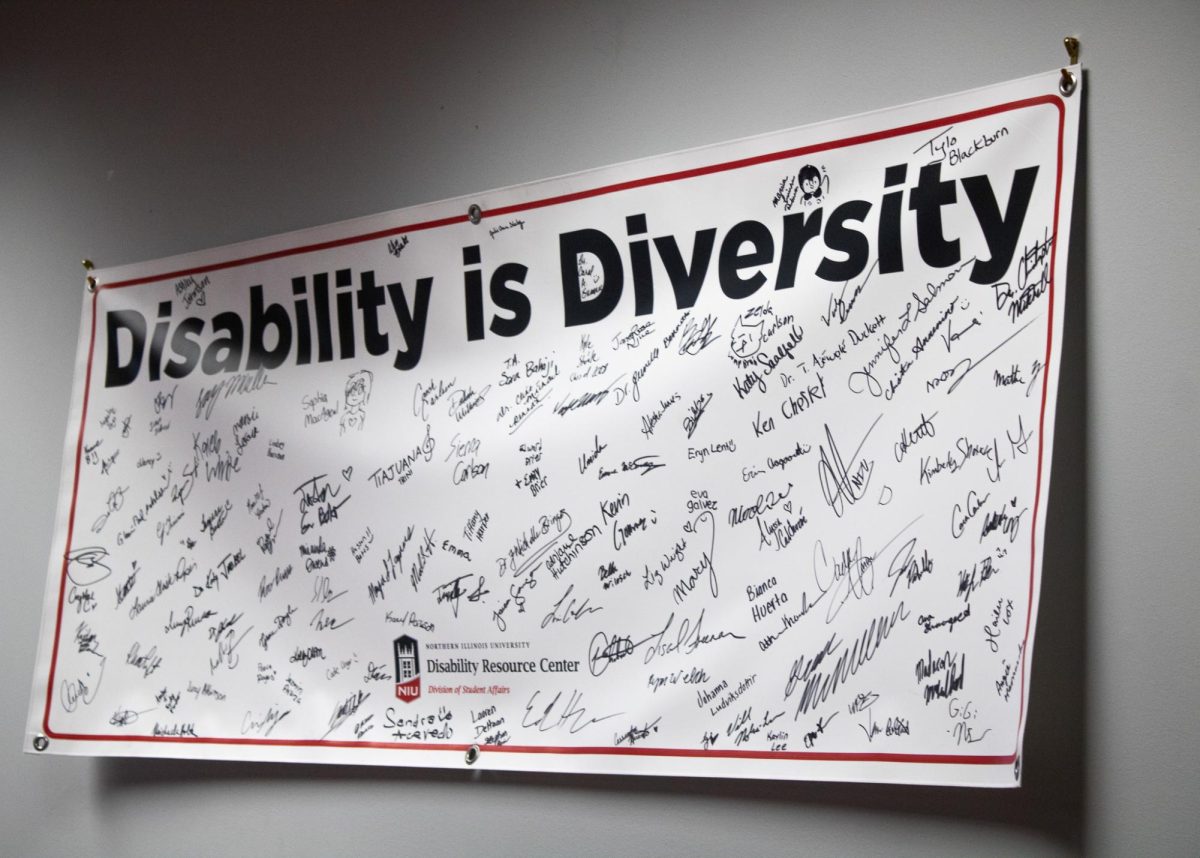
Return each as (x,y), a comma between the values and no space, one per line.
(346,709)
(572,611)
(571,714)
(88,566)
(125,717)
(841,484)
(972,363)
(452,591)
(697,336)
(603,650)
(84,688)
(853,572)
(226,650)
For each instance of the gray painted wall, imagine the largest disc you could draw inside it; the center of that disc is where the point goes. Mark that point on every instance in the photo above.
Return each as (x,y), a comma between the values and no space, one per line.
(130,131)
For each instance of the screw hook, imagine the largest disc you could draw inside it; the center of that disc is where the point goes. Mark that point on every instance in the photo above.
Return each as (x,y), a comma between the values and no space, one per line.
(1067,82)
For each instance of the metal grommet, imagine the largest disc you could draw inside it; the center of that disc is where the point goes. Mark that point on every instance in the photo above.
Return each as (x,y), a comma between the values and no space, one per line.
(40,742)
(1066,83)
(92,284)
(472,755)
(475,213)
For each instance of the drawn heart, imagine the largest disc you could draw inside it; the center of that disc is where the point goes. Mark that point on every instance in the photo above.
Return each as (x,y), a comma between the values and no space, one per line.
(787,505)
(885,496)
(347,471)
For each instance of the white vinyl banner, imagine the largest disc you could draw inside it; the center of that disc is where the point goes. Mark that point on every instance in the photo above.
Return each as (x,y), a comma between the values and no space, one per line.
(732,462)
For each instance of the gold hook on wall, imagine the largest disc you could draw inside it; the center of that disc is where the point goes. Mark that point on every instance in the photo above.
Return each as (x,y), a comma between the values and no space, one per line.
(1067,82)
(1071,43)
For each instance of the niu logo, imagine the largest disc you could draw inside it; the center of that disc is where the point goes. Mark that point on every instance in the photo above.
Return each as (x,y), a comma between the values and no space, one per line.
(408,668)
